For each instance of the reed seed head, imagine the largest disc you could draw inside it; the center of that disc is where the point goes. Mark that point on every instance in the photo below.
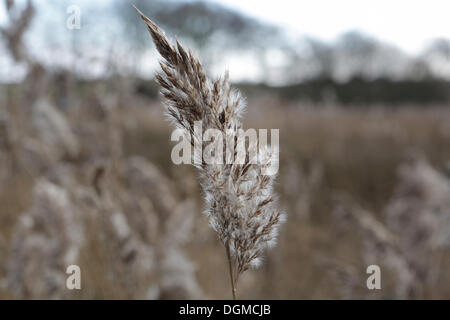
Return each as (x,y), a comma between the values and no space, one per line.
(240,201)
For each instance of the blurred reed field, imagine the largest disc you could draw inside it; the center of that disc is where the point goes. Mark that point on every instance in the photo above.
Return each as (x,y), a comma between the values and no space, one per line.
(86,176)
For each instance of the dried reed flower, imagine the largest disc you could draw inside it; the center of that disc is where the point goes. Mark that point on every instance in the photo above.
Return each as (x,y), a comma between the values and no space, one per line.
(53,130)
(415,229)
(46,241)
(347,277)
(146,224)
(301,186)
(420,207)
(19,24)
(419,214)
(240,202)
(168,227)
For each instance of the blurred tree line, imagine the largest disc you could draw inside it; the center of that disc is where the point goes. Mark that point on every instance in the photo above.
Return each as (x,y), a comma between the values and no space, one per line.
(355,68)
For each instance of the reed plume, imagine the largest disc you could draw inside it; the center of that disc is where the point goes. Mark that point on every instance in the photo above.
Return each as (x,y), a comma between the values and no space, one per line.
(47,239)
(414,232)
(144,224)
(240,202)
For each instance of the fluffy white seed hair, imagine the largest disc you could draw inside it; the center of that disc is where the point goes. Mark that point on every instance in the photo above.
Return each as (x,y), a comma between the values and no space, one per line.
(240,201)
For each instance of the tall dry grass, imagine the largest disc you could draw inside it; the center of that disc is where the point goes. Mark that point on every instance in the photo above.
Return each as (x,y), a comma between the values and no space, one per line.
(346,178)
(240,202)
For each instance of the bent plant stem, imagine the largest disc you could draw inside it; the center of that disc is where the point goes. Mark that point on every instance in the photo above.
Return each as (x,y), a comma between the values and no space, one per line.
(230,266)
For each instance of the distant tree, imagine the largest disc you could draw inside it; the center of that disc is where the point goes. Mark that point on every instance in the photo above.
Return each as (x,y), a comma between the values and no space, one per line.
(437,58)
(210,27)
(323,56)
(354,53)
(307,58)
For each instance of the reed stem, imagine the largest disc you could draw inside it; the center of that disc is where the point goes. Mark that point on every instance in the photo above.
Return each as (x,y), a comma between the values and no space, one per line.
(230,266)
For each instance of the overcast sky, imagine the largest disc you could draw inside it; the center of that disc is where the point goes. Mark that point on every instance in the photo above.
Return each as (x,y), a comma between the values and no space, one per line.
(409,24)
